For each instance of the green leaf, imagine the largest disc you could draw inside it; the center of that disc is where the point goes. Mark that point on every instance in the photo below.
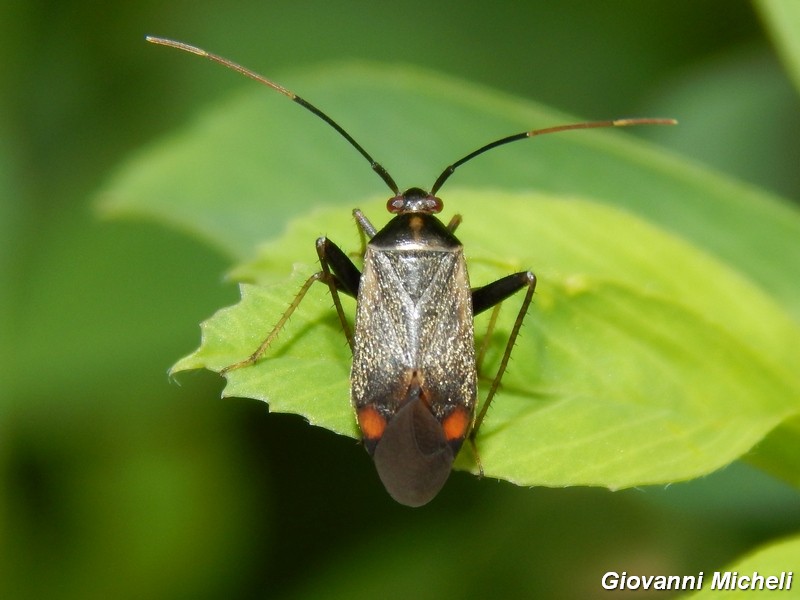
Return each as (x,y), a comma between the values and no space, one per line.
(636,365)
(782,18)
(768,561)
(779,453)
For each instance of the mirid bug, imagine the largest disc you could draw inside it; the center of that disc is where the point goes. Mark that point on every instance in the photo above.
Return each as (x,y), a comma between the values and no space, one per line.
(414,372)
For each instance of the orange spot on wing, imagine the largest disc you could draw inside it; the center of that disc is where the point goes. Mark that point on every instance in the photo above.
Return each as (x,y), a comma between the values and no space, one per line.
(371,422)
(456,424)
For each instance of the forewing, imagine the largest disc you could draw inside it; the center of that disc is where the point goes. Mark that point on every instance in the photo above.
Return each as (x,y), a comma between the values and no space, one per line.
(414,315)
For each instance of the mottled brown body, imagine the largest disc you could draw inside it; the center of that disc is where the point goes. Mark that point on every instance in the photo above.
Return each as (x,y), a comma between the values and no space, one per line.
(414,345)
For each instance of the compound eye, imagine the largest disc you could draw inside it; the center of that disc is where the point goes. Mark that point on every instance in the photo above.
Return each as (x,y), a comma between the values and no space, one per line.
(396,205)
(436,204)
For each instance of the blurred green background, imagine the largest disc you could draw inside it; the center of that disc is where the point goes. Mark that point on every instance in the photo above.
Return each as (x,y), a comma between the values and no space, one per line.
(119,483)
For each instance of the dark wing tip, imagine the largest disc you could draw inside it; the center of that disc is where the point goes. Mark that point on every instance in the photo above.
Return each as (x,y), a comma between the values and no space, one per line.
(413,457)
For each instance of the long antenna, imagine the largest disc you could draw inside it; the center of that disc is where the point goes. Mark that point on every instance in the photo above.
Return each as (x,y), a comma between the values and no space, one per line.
(377,167)
(383,173)
(527,134)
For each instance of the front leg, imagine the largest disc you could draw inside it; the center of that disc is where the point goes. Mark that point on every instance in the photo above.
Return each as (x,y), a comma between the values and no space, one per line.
(338,273)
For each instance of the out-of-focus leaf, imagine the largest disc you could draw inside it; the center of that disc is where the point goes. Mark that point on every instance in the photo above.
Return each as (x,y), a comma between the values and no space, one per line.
(771,560)
(245,166)
(782,18)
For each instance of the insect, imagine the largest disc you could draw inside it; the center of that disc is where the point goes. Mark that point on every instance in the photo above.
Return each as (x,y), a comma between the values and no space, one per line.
(414,372)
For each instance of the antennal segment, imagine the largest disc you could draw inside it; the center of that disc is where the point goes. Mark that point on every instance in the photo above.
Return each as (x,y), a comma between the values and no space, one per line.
(527,134)
(377,167)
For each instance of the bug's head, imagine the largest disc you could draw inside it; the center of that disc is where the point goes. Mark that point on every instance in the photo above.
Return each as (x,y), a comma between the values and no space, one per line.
(413,455)
(414,200)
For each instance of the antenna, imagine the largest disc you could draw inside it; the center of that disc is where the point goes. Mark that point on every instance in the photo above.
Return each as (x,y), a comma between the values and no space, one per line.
(527,134)
(377,167)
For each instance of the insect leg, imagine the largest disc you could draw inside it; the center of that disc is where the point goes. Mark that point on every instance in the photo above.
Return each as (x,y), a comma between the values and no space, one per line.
(492,295)
(366,230)
(454,223)
(338,272)
(345,278)
(487,338)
